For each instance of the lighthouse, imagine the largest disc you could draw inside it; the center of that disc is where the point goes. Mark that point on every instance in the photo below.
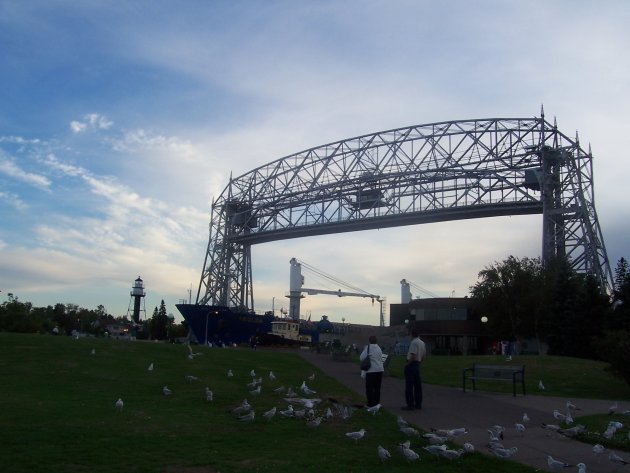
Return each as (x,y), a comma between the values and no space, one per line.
(137,296)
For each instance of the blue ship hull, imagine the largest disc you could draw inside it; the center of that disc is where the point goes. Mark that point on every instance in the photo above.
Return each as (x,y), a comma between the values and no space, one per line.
(218,324)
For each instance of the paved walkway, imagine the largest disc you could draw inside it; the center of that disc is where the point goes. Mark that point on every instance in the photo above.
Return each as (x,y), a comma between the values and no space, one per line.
(445,407)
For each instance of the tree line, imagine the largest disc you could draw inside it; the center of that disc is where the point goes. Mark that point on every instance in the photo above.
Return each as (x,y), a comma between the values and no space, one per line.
(23,317)
(569,312)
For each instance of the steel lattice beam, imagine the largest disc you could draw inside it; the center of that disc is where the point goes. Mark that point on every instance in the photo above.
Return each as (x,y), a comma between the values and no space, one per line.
(427,173)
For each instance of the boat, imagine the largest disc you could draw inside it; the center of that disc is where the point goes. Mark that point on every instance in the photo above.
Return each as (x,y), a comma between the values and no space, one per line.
(220,325)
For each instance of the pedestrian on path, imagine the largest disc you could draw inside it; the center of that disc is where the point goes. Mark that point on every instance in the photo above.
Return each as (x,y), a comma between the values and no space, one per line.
(374,374)
(413,381)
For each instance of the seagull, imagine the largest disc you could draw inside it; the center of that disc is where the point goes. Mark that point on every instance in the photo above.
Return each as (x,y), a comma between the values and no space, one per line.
(329,414)
(598,449)
(256,391)
(270,413)
(405,444)
(610,432)
(306,390)
(402,422)
(119,404)
(166,391)
(410,455)
(616,424)
(581,467)
(288,412)
(93,352)
(291,392)
(314,422)
(311,377)
(556,465)
(230,374)
(272,376)
(570,405)
(374,409)
(520,428)
(560,416)
(437,440)
(279,390)
(504,453)
(242,408)
(541,386)
(435,449)
(526,418)
(573,431)
(469,447)
(252,373)
(496,431)
(452,433)
(356,436)
(383,453)
(409,431)
(551,427)
(249,417)
(613,457)
(150,367)
(451,454)
(190,378)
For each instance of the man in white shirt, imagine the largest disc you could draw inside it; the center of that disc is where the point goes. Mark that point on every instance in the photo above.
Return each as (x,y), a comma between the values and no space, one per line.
(413,382)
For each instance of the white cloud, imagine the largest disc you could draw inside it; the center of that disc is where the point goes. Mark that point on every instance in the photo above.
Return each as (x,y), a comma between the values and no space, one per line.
(13,200)
(93,121)
(9,168)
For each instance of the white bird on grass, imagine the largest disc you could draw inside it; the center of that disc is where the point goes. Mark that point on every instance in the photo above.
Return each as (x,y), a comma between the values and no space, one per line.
(252,373)
(279,390)
(451,454)
(469,447)
(329,414)
(526,418)
(410,455)
(435,449)
(356,436)
(581,467)
(402,422)
(150,367)
(556,465)
(272,376)
(256,392)
(311,377)
(314,422)
(409,431)
(383,453)
(119,404)
(541,386)
(190,378)
(166,391)
(306,390)
(520,428)
(209,394)
(270,413)
(249,417)
(374,409)
(458,432)
(242,408)
(288,412)
(291,392)
(573,431)
(93,352)
(230,374)
(570,405)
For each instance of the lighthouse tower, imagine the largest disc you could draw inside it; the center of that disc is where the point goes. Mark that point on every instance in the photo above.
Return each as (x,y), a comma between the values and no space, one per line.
(137,296)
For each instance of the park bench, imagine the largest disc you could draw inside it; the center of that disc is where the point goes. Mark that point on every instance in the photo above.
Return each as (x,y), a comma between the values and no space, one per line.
(513,373)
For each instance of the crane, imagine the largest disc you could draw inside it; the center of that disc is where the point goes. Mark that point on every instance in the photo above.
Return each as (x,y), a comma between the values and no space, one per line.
(296,290)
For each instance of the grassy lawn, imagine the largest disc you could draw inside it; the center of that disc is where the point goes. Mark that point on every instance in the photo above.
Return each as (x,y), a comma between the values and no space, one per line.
(58,413)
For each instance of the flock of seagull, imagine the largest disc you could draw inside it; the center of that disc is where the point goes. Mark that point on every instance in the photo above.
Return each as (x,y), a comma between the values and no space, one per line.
(302,405)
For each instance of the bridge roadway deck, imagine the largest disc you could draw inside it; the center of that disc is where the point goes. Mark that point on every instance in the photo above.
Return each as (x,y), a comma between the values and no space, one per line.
(445,407)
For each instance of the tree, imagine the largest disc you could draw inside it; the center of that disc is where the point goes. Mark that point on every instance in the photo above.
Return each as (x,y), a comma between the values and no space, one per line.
(159,322)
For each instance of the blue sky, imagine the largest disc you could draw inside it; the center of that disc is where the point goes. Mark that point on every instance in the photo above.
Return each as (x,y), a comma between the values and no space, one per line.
(121,120)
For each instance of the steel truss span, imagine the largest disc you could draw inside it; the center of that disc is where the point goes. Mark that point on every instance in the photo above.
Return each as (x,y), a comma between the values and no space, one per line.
(419,174)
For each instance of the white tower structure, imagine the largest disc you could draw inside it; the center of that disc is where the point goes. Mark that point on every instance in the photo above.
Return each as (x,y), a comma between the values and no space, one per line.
(405,292)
